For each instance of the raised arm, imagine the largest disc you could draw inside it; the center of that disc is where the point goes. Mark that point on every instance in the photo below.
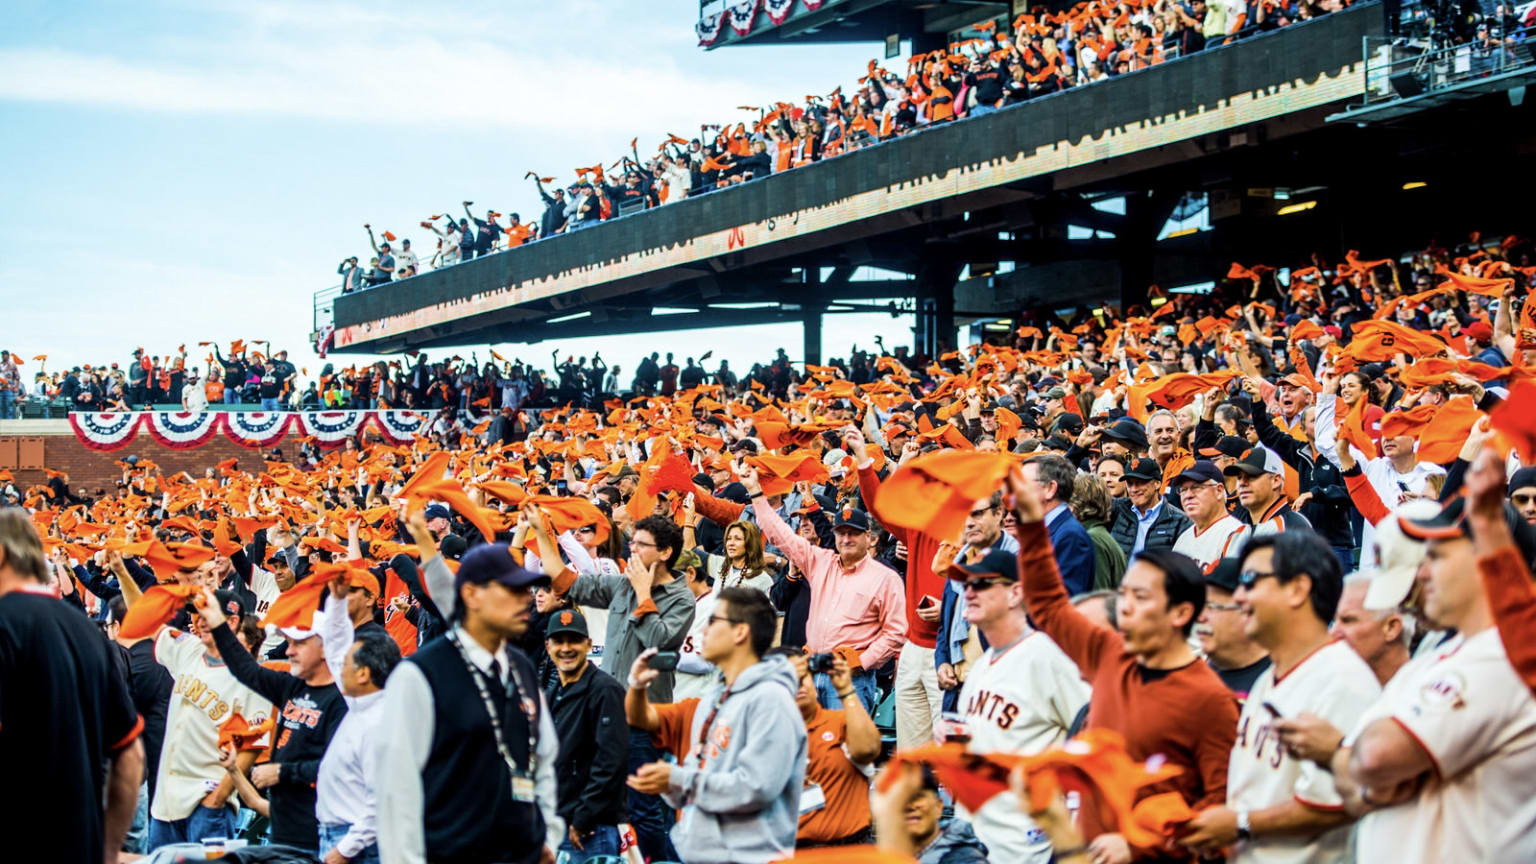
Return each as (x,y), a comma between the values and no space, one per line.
(775,531)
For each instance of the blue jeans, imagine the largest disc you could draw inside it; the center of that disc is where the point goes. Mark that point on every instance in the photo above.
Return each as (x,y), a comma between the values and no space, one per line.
(138,832)
(231,395)
(980,110)
(203,823)
(604,841)
(648,814)
(330,836)
(269,404)
(863,684)
(7,405)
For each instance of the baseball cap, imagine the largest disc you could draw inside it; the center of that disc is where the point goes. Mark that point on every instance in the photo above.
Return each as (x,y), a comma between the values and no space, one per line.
(1227,445)
(452,546)
(1295,380)
(1056,393)
(1398,556)
(688,558)
(628,471)
(1128,432)
(1203,471)
(995,562)
(1144,469)
(493,562)
(1225,574)
(1057,442)
(834,462)
(438,511)
(1068,422)
(566,621)
(229,601)
(1479,330)
(990,407)
(1259,460)
(297,634)
(852,518)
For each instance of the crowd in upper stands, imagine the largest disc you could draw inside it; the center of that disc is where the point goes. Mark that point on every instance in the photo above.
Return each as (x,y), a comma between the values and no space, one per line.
(997,66)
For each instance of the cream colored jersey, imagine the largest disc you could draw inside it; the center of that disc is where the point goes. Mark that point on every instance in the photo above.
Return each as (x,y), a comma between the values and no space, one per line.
(1216,542)
(695,675)
(204,695)
(1018,698)
(1333,683)
(264,586)
(1476,720)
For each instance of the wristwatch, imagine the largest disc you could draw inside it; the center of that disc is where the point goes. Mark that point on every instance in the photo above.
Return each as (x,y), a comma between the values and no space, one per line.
(1244,828)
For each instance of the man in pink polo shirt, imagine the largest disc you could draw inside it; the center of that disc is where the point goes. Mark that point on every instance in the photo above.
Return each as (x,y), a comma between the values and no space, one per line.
(857,606)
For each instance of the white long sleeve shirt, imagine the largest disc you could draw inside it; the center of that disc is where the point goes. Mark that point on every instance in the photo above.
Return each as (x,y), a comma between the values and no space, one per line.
(344,789)
(405,741)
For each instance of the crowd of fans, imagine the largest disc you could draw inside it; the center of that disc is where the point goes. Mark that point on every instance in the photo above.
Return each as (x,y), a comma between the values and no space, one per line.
(1001,65)
(1082,593)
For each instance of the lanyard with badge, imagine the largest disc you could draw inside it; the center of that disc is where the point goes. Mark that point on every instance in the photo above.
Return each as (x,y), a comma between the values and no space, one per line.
(522,781)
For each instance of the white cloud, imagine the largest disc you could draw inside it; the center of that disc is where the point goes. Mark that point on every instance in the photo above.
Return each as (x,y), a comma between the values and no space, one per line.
(384,68)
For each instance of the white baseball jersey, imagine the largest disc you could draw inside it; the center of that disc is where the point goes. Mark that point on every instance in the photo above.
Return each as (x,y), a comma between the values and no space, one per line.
(1018,698)
(1476,720)
(1333,683)
(1211,545)
(264,586)
(694,673)
(203,697)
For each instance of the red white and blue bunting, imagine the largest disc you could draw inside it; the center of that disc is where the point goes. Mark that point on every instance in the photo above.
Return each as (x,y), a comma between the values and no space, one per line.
(102,431)
(742,15)
(400,427)
(182,431)
(708,28)
(330,428)
(778,10)
(252,429)
(256,429)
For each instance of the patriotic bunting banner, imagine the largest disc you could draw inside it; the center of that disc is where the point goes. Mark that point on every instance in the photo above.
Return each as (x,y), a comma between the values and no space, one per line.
(252,429)
(100,431)
(400,427)
(742,15)
(330,428)
(813,5)
(778,10)
(255,429)
(708,28)
(182,431)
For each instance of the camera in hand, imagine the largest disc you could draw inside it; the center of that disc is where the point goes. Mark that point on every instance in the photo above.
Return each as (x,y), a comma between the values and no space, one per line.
(819,662)
(663,661)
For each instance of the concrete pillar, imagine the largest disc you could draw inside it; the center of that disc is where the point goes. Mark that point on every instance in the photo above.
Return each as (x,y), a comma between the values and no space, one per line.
(810,317)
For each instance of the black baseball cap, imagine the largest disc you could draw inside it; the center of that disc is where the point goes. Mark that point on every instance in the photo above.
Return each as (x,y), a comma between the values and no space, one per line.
(995,562)
(1128,432)
(849,517)
(493,562)
(231,602)
(1203,471)
(1225,574)
(1227,445)
(567,621)
(452,546)
(1144,469)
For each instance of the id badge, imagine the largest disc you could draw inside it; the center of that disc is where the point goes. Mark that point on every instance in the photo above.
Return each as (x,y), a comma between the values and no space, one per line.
(522,788)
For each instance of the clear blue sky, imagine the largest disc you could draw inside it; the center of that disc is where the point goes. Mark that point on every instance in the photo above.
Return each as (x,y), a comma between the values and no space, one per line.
(177,172)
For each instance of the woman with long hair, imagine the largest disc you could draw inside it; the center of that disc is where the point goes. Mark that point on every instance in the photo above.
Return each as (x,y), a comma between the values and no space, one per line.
(742,563)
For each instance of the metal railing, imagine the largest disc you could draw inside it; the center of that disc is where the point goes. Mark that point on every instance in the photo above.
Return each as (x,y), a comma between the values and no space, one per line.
(1398,68)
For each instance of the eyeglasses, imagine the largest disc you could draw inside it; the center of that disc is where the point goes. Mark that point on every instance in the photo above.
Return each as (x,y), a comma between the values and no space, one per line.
(1250,578)
(642,543)
(591,529)
(1223,607)
(714,618)
(977,514)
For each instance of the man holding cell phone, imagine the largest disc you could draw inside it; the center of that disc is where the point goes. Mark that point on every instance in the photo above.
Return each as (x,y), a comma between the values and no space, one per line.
(1281,807)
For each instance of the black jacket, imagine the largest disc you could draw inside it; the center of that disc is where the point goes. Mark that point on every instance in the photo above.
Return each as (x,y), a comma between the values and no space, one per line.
(1169,523)
(594,750)
(1330,509)
(307,718)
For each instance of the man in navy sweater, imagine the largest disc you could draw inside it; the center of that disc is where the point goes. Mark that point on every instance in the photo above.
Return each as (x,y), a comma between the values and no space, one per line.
(1052,478)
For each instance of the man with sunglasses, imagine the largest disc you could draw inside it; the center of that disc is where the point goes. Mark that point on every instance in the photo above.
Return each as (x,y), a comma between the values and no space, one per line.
(1020,697)
(741,749)
(1148,684)
(959,644)
(1281,807)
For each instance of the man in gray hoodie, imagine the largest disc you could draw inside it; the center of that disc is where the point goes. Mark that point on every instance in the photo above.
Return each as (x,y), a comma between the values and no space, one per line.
(741,748)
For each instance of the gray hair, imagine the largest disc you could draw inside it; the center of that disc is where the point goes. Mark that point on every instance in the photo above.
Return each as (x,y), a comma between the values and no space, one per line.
(1409,621)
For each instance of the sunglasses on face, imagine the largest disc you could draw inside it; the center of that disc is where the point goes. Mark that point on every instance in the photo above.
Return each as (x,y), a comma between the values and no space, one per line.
(982,583)
(1521,500)
(1250,578)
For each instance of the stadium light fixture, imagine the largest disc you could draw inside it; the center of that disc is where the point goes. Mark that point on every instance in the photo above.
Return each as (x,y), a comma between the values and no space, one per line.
(1298,207)
(1414,184)
(672,310)
(563,318)
(764,305)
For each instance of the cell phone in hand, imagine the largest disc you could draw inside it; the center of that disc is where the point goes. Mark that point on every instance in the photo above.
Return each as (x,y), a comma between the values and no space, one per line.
(928,601)
(663,661)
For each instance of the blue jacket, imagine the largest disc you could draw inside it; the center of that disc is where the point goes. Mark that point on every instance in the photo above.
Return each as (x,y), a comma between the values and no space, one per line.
(1074,551)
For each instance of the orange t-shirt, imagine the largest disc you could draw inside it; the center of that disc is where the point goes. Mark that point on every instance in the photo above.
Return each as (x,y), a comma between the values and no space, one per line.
(517,235)
(214,390)
(845,784)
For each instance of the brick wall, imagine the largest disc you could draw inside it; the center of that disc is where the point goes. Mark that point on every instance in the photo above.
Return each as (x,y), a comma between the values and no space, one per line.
(95,470)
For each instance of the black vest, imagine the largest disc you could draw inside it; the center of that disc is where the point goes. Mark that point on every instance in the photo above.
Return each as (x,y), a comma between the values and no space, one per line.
(467,807)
